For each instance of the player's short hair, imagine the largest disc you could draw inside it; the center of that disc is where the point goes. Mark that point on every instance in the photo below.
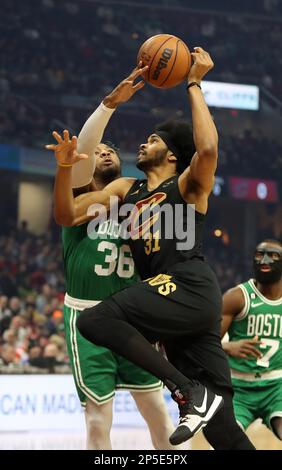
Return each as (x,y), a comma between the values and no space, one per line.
(178,136)
(113,147)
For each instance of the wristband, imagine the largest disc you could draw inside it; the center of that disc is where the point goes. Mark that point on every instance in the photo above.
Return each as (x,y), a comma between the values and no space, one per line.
(193,84)
(64,165)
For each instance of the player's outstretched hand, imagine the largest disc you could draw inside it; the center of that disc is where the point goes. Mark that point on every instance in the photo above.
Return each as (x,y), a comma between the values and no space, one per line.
(65,149)
(201,65)
(127,88)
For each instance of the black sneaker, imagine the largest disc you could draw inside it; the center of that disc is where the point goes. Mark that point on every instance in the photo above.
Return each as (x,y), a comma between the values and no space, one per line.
(197,405)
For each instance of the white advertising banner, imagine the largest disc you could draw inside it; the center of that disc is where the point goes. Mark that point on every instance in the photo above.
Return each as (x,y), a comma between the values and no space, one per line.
(231,95)
(44,402)
(44,412)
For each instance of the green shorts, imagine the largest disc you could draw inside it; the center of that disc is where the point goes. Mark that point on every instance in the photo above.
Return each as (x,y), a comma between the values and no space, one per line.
(97,371)
(257,400)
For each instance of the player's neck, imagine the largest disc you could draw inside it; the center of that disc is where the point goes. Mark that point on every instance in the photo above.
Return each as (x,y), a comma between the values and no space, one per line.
(157,175)
(271,291)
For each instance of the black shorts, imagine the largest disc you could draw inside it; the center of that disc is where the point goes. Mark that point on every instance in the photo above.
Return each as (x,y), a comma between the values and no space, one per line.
(181,309)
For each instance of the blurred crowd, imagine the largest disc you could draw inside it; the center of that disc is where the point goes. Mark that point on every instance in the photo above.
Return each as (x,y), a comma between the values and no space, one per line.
(59,59)
(31,303)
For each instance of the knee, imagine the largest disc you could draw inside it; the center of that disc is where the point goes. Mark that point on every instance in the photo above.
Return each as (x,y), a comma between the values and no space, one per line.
(97,427)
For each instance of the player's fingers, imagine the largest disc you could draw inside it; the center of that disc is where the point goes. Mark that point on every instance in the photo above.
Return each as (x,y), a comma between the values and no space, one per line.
(138,72)
(57,137)
(195,57)
(66,135)
(254,341)
(244,356)
(138,85)
(82,156)
(252,351)
(51,147)
(74,141)
(198,49)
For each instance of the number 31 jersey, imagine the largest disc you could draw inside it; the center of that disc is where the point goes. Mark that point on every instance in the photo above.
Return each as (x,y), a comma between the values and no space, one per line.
(96,265)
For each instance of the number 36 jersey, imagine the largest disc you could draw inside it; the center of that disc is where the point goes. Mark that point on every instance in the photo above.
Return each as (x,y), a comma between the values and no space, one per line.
(263,318)
(97,264)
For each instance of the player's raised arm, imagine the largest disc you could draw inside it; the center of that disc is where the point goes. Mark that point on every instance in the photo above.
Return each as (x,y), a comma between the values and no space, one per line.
(92,131)
(66,156)
(203,165)
(68,210)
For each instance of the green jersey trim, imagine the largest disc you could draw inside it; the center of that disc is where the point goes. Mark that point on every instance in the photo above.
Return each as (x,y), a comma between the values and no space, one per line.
(264,299)
(77,370)
(140,388)
(256,377)
(246,308)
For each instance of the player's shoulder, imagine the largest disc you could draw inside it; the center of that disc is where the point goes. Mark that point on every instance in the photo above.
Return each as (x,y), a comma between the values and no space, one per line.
(128,180)
(123,180)
(234,291)
(127,184)
(234,297)
(120,186)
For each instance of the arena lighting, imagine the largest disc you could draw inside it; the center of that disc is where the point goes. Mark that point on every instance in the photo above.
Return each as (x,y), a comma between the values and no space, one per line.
(231,95)
(217,232)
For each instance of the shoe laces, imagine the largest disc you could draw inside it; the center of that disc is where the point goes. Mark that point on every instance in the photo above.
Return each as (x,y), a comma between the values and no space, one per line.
(185,401)
(185,410)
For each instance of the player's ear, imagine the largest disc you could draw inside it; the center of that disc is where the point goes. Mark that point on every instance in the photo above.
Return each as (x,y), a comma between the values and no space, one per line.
(171,157)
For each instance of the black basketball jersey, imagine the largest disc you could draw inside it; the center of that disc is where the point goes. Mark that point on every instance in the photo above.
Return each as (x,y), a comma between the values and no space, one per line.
(165,230)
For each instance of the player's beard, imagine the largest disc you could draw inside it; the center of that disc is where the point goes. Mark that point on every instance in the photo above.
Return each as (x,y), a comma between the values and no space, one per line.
(108,174)
(270,277)
(156,160)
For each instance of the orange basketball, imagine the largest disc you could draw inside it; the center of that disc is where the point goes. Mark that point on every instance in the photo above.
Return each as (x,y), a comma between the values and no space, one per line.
(168,58)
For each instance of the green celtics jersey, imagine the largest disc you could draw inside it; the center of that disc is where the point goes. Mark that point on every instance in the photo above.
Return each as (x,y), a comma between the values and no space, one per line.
(98,265)
(261,317)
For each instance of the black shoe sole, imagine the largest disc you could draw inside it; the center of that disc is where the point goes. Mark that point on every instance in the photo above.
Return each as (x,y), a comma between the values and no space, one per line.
(183,433)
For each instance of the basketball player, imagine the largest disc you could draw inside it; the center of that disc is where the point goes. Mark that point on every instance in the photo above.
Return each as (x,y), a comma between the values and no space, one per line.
(252,315)
(180,303)
(95,269)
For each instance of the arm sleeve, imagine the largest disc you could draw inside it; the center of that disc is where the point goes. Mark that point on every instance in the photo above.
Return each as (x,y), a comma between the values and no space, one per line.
(89,137)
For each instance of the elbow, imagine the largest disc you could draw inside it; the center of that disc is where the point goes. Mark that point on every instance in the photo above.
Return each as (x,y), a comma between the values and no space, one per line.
(63,219)
(208,151)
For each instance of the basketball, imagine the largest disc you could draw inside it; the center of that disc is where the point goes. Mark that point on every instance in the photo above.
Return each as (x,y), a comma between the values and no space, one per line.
(168,58)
